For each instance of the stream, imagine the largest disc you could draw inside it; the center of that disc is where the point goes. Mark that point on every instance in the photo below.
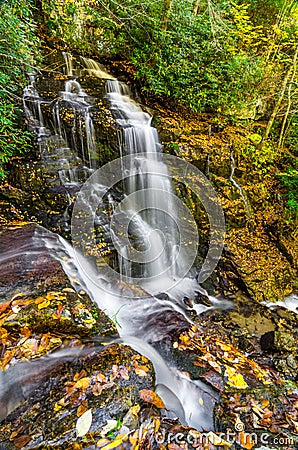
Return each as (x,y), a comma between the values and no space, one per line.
(139,217)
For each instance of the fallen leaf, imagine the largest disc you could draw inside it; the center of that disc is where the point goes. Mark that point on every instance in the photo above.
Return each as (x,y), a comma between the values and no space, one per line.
(115,443)
(26,332)
(83,383)
(22,441)
(82,408)
(123,373)
(141,372)
(60,404)
(246,440)
(4,307)
(235,379)
(102,442)
(8,355)
(43,304)
(79,375)
(84,423)
(68,290)
(217,440)
(151,397)
(265,403)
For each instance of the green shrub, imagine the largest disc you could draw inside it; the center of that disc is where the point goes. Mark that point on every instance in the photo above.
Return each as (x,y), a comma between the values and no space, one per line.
(289,180)
(18,53)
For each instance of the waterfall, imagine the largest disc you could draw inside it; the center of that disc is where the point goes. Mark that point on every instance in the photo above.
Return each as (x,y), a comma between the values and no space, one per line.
(150,209)
(144,227)
(191,401)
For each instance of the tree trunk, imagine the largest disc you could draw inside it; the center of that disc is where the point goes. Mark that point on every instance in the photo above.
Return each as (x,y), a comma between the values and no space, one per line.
(280,99)
(284,122)
(166,14)
(195,6)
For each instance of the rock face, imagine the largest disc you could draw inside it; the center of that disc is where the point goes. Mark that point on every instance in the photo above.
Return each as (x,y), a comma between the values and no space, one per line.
(36,293)
(106,383)
(260,239)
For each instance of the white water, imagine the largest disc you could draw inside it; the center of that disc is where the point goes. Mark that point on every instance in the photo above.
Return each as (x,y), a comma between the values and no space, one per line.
(148,210)
(290,303)
(191,401)
(149,205)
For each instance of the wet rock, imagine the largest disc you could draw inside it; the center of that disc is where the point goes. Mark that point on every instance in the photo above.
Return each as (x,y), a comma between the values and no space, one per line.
(106,383)
(260,237)
(40,307)
(278,341)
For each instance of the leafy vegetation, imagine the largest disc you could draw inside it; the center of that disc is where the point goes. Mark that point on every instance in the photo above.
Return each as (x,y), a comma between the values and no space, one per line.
(289,180)
(17,56)
(216,56)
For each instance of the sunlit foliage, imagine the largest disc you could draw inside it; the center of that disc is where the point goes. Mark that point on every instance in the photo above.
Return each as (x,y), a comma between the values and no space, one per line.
(17,56)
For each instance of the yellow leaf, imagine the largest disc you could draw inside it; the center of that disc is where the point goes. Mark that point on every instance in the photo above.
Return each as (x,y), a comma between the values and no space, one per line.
(216,440)
(140,372)
(59,405)
(115,443)
(235,379)
(43,304)
(55,341)
(83,383)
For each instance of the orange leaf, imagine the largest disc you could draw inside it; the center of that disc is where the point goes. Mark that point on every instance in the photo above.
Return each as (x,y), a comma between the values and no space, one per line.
(151,397)
(26,332)
(3,333)
(4,307)
(82,409)
(246,440)
(83,383)
(8,355)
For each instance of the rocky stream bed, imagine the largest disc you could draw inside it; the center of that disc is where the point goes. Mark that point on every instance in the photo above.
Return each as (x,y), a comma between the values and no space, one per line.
(69,382)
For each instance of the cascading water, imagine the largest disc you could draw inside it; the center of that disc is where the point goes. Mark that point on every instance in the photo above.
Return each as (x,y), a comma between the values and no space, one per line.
(148,212)
(151,209)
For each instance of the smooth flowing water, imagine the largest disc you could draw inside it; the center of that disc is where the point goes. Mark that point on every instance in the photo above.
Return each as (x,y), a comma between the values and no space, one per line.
(149,206)
(148,212)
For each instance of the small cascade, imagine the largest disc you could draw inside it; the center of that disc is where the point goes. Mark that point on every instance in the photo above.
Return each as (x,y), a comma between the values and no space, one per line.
(143,207)
(238,187)
(32,104)
(65,130)
(190,400)
(150,211)
(81,66)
